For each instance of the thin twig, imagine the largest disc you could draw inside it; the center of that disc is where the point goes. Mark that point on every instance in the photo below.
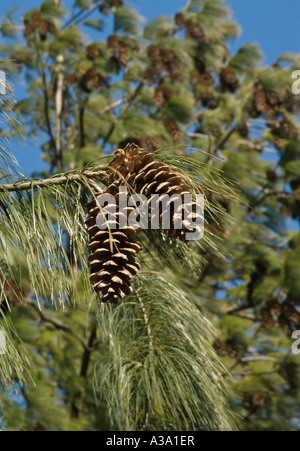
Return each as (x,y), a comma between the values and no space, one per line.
(225,138)
(279,194)
(113,105)
(81,15)
(237,309)
(259,358)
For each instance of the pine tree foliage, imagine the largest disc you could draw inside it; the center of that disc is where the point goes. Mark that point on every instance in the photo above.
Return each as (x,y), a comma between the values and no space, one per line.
(172,85)
(146,385)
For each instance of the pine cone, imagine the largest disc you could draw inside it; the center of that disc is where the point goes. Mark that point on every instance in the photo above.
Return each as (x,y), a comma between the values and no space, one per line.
(112,254)
(259,102)
(29,29)
(173,130)
(288,309)
(162,95)
(36,18)
(153,52)
(103,10)
(150,143)
(92,52)
(123,55)
(193,30)
(166,56)
(113,43)
(155,56)
(180,20)
(288,127)
(91,79)
(267,318)
(279,142)
(259,399)
(70,80)
(43,29)
(229,81)
(145,175)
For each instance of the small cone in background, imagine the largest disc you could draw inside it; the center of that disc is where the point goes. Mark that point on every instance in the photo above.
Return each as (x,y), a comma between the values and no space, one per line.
(179,20)
(229,80)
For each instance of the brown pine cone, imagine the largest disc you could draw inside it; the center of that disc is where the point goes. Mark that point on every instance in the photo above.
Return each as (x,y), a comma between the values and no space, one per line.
(112,254)
(229,81)
(179,20)
(92,52)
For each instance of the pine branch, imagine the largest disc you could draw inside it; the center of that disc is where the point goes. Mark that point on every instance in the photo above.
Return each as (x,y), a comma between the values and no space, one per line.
(150,390)
(224,139)
(278,194)
(81,15)
(129,101)
(95,173)
(259,358)
(113,105)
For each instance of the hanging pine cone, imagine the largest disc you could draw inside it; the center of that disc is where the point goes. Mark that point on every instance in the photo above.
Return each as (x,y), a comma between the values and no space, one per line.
(267,318)
(104,10)
(285,324)
(29,29)
(279,142)
(139,170)
(113,43)
(123,55)
(288,309)
(260,102)
(167,56)
(229,81)
(112,254)
(119,48)
(162,95)
(36,18)
(224,348)
(91,79)
(289,128)
(179,20)
(154,54)
(193,30)
(113,251)
(173,130)
(70,80)
(41,25)
(43,29)
(92,52)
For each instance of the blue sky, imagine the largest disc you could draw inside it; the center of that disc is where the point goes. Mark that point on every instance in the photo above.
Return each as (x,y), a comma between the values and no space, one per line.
(274,24)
